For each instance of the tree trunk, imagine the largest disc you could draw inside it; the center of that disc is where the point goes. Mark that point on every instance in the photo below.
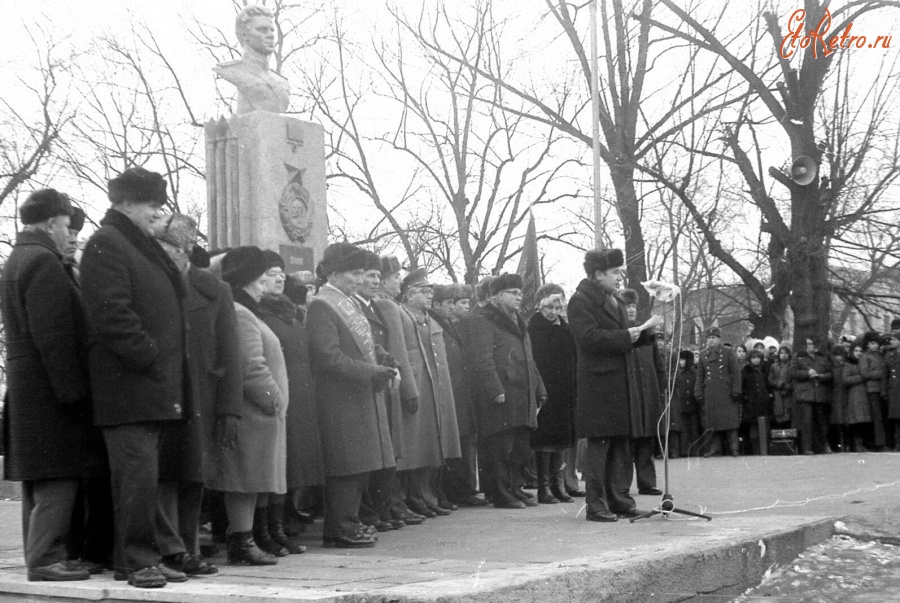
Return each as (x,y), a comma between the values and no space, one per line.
(628,207)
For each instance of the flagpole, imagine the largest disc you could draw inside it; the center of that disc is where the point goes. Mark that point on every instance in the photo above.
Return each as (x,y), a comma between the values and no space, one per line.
(595,122)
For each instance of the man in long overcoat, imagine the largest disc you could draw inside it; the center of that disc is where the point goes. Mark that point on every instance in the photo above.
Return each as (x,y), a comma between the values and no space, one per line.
(448,306)
(647,381)
(350,386)
(430,434)
(506,388)
(133,297)
(603,413)
(406,398)
(718,392)
(189,449)
(50,443)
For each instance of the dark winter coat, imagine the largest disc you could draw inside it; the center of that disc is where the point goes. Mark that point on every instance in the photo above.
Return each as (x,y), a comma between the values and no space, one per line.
(873,369)
(838,394)
(648,383)
(683,402)
(806,389)
(465,414)
(600,327)
(892,362)
(718,388)
(858,409)
(133,295)
(553,348)
(389,311)
(189,450)
(757,401)
(781,386)
(47,412)
(498,349)
(304,454)
(430,434)
(353,421)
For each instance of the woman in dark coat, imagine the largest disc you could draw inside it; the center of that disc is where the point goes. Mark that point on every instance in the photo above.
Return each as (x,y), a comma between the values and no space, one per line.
(554,353)
(280,314)
(255,466)
(839,397)
(858,411)
(757,401)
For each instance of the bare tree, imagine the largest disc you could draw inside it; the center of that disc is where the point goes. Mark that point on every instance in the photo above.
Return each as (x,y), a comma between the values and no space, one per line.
(803,228)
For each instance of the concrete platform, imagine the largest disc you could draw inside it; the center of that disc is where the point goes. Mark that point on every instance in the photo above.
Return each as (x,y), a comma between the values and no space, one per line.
(766,510)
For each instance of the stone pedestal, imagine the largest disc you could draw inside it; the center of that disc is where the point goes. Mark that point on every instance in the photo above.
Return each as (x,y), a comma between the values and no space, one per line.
(265,183)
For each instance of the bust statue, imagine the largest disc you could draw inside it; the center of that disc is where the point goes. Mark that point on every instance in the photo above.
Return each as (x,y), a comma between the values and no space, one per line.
(258,87)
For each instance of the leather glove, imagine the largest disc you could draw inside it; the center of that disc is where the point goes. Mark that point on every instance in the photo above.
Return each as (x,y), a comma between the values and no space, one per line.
(227,430)
(410,405)
(382,378)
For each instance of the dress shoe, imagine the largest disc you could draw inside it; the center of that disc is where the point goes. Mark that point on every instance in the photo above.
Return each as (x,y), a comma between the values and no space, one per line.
(530,502)
(632,512)
(522,494)
(61,571)
(191,565)
(474,501)
(650,491)
(575,492)
(827,449)
(410,518)
(440,511)
(446,504)
(147,577)
(808,452)
(397,523)
(172,575)
(602,516)
(509,504)
(242,549)
(91,567)
(367,530)
(424,512)
(735,453)
(357,541)
(382,526)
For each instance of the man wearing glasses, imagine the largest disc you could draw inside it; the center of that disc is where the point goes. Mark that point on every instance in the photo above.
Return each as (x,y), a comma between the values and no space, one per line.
(506,390)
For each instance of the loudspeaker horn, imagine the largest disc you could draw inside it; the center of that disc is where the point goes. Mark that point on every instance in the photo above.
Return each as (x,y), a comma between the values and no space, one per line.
(803,170)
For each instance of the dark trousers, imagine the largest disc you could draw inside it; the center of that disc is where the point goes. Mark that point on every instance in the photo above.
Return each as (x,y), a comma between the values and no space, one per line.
(377,496)
(690,445)
(812,422)
(880,437)
(732,441)
(91,534)
(643,463)
(343,496)
(508,452)
(609,469)
(398,496)
(133,451)
(46,516)
(419,491)
(178,517)
(461,482)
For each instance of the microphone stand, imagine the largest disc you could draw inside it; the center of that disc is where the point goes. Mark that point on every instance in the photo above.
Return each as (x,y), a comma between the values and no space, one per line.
(667,505)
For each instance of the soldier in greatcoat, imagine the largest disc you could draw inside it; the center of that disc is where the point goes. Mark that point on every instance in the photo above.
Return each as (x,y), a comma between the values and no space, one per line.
(448,307)
(718,391)
(50,443)
(430,434)
(506,387)
(603,412)
(350,390)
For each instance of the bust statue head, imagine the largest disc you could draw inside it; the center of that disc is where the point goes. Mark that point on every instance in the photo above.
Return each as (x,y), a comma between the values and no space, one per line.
(255,29)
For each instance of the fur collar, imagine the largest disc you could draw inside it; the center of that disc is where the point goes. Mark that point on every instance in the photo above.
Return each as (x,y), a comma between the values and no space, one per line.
(502,320)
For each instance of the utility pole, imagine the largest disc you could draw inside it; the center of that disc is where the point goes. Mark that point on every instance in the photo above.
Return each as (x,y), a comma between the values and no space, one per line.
(595,122)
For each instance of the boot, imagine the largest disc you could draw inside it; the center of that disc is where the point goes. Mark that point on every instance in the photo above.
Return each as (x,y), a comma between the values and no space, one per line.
(542,461)
(262,536)
(276,531)
(556,479)
(242,549)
